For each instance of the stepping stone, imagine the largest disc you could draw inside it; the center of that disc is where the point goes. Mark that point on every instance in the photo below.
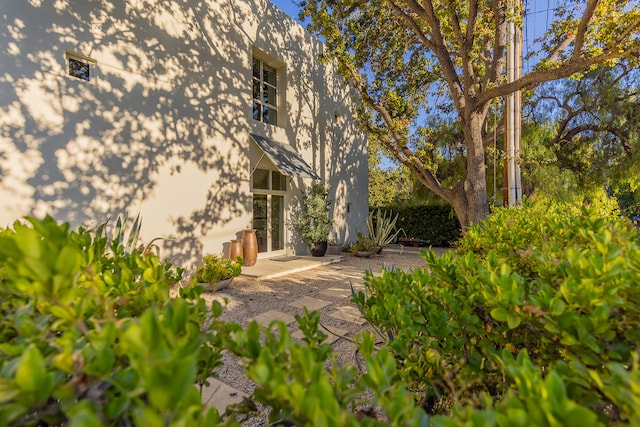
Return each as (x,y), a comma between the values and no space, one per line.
(312,304)
(267,317)
(220,395)
(336,334)
(336,292)
(349,314)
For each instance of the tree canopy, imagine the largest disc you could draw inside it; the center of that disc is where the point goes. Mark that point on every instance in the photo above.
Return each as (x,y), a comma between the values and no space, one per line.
(419,65)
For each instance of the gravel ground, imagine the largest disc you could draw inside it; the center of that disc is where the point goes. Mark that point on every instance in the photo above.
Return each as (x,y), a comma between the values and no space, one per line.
(247,298)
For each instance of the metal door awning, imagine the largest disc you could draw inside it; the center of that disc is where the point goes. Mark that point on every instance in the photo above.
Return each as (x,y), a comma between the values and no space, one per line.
(285,158)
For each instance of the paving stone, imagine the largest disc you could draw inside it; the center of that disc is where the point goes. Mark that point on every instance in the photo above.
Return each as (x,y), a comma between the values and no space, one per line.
(220,395)
(267,317)
(336,292)
(312,304)
(349,314)
(333,336)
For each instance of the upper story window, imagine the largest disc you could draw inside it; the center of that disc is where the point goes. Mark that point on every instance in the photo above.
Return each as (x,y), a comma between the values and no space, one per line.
(265,92)
(80,66)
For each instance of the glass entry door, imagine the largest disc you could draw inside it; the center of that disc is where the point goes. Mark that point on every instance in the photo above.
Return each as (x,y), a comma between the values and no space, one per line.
(268,220)
(260,220)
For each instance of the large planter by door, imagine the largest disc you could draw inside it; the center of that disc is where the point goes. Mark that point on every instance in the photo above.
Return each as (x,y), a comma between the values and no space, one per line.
(320,249)
(249,247)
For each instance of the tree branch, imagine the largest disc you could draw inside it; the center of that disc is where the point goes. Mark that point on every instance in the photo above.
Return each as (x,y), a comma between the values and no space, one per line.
(564,70)
(583,26)
(500,36)
(396,144)
(438,46)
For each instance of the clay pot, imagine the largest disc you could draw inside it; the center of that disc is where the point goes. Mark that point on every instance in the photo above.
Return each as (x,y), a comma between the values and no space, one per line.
(249,247)
(235,250)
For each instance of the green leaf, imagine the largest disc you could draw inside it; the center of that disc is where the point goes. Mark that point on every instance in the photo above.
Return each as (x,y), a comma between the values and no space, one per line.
(555,387)
(68,260)
(499,314)
(83,414)
(216,309)
(180,316)
(145,416)
(117,406)
(513,321)
(29,242)
(31,372)
(35,268)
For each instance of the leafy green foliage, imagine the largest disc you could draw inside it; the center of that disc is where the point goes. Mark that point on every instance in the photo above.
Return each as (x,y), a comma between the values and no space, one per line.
(428,73)
(310,219)
(364,244)
(585,129)
(554,281)
(437,225)
(215,269)
(90,336)
(303,386)
(532,322)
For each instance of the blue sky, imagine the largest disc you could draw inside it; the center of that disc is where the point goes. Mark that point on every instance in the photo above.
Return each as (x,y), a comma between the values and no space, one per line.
(287,6)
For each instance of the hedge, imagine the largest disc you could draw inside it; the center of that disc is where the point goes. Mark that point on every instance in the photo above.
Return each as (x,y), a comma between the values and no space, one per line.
(533,320)
(434,225)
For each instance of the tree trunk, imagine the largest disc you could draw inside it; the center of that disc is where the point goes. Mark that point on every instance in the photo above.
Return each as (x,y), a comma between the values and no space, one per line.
(470,200)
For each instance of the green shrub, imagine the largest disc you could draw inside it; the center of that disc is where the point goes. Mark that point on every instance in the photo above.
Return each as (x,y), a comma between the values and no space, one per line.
(89,335)
(310,219)
(557,283)
(541,329)
(363,244)
(215,269)
(302,385)
(435,225)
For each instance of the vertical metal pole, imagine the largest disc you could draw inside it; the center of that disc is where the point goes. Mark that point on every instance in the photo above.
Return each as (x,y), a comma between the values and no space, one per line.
(513,113)
(518,114)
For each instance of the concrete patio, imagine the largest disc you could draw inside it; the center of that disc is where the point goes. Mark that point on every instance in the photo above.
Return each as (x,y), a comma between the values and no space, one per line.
(271,268)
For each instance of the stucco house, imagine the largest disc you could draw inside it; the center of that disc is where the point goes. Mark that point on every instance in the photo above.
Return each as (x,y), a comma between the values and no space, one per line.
(207,117)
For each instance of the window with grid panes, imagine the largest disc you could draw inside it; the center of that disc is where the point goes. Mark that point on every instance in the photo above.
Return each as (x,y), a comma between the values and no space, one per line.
(265,92)
(264,179)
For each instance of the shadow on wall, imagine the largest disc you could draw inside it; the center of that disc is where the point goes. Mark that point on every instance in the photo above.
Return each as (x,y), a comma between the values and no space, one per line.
(172,88)
(320,120)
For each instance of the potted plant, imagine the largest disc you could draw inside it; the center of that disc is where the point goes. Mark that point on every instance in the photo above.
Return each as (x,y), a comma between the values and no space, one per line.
(216,272)
(365,246)
(310,219)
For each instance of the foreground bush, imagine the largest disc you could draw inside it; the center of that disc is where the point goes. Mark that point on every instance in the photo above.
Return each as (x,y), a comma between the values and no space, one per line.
(89,335)
(534,321)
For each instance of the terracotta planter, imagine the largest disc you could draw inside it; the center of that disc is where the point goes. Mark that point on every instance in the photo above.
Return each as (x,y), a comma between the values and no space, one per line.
(235,250)
(249,247)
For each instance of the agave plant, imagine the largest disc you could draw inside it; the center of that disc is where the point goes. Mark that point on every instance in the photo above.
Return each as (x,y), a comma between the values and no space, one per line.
(383,230)
(126,235)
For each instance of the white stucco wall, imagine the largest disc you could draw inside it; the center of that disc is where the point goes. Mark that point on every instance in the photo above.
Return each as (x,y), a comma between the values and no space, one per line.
(163,126)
